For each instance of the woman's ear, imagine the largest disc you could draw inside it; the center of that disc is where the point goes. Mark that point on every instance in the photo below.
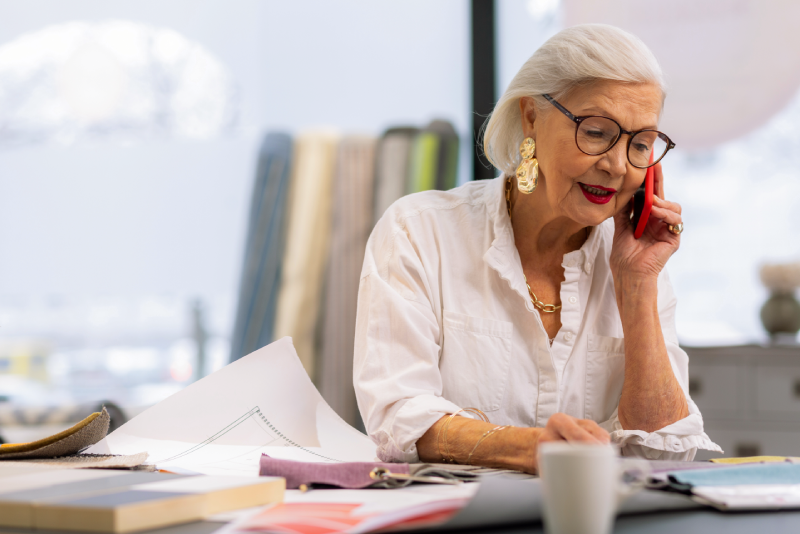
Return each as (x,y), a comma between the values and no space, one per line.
(527,110)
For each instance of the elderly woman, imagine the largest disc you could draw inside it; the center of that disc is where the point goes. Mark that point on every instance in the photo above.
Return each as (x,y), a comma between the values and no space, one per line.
(510,312)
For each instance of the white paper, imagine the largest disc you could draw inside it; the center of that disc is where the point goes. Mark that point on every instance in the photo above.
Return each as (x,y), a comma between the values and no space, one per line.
(262,403)
(374,501)
(749,496)
(205,484)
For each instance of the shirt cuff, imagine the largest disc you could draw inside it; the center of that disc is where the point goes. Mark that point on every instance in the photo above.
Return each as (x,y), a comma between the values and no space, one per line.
(678,441)
(397,438)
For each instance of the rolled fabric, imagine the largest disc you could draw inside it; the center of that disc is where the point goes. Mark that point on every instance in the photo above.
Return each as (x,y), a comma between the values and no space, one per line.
(308,229)
(350,227)
(263,252)
(393,157)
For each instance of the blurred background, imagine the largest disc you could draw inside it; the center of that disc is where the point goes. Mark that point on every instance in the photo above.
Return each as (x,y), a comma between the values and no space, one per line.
(149,152)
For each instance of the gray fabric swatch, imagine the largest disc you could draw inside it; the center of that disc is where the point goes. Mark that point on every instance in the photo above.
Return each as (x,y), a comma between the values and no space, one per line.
(84,487)
(72,444)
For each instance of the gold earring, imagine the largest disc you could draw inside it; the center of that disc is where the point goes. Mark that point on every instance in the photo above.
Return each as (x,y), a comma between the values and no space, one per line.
(528,170)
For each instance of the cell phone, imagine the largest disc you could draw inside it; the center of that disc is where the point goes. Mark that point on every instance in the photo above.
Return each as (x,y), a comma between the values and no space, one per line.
(643,202)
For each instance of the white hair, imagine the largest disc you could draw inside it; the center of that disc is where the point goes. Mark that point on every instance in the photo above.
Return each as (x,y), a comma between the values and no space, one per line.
(573,57)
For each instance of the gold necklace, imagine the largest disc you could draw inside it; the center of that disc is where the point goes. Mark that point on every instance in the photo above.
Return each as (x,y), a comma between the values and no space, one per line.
(547,308)
(538,304)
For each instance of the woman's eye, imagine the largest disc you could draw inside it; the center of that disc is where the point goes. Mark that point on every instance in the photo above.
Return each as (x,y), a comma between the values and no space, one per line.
(641,147)
(597,134)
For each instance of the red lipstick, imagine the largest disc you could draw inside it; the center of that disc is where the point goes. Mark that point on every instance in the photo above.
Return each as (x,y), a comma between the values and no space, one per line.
(597,194)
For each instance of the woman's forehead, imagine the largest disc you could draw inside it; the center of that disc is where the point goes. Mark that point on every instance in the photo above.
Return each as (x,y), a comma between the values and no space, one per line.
(634,106)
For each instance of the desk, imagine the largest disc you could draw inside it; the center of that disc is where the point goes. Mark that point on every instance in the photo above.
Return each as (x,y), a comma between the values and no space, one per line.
(201,527)
(689,522)
(679,522)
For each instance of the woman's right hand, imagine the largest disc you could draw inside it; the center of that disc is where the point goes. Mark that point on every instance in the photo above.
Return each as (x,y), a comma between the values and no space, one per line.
(563,427)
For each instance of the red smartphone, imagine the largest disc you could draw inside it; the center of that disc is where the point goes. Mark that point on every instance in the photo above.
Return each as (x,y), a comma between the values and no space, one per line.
(643,202)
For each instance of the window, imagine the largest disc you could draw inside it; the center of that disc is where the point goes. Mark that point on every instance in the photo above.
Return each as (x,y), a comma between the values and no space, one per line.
(124,196)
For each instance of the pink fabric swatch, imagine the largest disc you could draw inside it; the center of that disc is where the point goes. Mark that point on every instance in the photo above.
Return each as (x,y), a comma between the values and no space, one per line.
(349,475)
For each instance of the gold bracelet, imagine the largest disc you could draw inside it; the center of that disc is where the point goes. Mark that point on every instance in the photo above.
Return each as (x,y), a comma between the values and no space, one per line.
(447,457)
(478,413)
(439,435)
(483,437)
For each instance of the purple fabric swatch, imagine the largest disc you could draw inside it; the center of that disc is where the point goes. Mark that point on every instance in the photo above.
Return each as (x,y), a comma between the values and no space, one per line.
(349,475)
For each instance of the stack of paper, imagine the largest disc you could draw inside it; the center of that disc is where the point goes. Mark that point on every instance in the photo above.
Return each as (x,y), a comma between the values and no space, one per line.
(262,403)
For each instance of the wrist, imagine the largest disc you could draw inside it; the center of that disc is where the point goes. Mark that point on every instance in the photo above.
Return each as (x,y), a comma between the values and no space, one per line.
(630,288)
(516,450)
(528,458)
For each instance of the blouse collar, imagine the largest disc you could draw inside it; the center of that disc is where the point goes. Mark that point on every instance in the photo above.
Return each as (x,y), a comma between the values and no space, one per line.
(503,255)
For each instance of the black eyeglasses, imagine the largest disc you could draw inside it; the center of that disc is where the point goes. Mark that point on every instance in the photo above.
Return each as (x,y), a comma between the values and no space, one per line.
(596,135)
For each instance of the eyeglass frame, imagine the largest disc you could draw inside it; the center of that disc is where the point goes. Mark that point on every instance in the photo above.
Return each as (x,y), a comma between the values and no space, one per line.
(631,135)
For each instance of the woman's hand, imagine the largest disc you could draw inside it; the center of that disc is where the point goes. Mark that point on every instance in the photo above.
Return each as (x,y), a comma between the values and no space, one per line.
(645,257)
(563,427)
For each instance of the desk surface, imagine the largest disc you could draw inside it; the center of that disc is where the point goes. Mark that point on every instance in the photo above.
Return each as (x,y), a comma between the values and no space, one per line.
(513,505)
(675,522)
(200,527)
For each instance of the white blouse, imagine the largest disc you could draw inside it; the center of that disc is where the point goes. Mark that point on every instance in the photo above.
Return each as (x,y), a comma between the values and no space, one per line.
(445,322)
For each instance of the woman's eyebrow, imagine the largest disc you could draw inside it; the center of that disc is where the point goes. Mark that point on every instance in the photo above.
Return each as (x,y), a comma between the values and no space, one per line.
(599,111)
(594,110)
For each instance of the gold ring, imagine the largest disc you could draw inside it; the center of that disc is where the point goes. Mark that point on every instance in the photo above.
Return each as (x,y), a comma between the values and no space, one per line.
(675,229)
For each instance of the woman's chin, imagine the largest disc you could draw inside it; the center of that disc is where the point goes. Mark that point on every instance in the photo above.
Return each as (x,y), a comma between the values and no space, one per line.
(594,214)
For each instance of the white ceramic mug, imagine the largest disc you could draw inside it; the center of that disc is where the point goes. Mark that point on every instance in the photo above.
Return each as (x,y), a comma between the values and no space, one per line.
(582,486)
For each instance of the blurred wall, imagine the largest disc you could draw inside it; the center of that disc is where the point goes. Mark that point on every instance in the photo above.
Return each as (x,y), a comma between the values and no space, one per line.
(167,215)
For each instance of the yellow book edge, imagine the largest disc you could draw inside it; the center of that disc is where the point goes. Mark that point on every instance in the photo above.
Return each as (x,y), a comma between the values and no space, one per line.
(756,460)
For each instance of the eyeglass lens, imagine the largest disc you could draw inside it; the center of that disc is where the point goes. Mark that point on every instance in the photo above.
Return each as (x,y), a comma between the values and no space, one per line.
(597,134)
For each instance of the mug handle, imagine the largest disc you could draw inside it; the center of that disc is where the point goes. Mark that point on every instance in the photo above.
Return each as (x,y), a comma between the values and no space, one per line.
(625,489)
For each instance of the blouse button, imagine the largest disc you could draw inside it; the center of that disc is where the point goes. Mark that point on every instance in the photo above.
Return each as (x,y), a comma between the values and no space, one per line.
(568,336)
(573,300)
(588,266)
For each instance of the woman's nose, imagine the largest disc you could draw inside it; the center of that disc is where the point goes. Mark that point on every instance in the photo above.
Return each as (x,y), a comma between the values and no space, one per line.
(616,159)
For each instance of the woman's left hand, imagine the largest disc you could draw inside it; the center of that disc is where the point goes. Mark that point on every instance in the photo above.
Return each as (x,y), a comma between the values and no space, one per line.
(645,257)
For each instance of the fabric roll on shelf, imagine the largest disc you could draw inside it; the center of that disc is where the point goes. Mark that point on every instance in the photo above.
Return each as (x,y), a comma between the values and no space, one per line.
(433,162)
(391,169)
(261,271)
(307,236)
(447,159)
(350,229)
(422,165)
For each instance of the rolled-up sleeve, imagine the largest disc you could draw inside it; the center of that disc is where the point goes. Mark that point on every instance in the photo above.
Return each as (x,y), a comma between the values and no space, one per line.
(681,439)
(678,441)
(396,362)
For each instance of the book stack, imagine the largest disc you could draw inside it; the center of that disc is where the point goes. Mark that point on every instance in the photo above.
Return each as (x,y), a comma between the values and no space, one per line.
(122,501)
